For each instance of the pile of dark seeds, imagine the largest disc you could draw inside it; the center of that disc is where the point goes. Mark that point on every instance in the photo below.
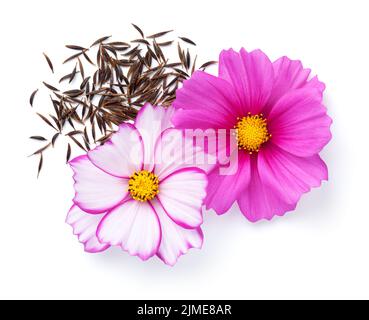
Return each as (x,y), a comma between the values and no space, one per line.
(127,75)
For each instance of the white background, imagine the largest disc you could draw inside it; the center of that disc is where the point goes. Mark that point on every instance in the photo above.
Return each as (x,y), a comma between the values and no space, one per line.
(319,251)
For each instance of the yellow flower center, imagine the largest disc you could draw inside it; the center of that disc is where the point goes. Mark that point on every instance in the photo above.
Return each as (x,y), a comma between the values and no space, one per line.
(252,132)
(143,186)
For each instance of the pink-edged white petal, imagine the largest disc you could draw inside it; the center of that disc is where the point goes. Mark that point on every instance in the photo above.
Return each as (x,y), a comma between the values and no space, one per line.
(84,226)
(288,175)
(96,190)
(175,241)
(151,121)
(252,76)
(175,150)
(134,226)
(181,195)
(299,123)
(122,155)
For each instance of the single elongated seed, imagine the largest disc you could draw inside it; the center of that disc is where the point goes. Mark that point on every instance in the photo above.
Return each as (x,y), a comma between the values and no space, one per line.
(39,138)
(119,43)
(49,62)
(78,143)
(40,163)
(81,69)
(46,120)
(74,47)
(73,93)
(141,41)
(53,140)
(88,58)
(69,152)
(32,97)
(159,34)
(139,30)
(84,83)
(187,40)
(41,150)
(164,44)
(100,40)
(73,57)
(73,74)
(188,60)
(208,64)
(52,88)
(194,65)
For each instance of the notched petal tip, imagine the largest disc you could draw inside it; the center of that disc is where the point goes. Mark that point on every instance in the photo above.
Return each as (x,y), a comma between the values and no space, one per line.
(176,241)
(134,227)
(84,227)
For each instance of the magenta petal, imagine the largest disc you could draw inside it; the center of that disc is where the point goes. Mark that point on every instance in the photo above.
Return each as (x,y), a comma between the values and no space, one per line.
(289,75)
(252,76)
(224,190)
(175,241)
(288,175)
(122,155)
(202,95)
(96,190)
(315,83)
(181,194)
(259,201)
(134,226)
(84,226)
(189,119)
(299,123)
(151,121)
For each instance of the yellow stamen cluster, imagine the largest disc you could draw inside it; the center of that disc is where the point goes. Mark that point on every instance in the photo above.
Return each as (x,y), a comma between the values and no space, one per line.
(252,132)
(143,186)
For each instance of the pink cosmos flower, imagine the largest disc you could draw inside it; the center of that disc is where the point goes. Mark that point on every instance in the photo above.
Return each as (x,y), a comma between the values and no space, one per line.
(138,192)
(279,125)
